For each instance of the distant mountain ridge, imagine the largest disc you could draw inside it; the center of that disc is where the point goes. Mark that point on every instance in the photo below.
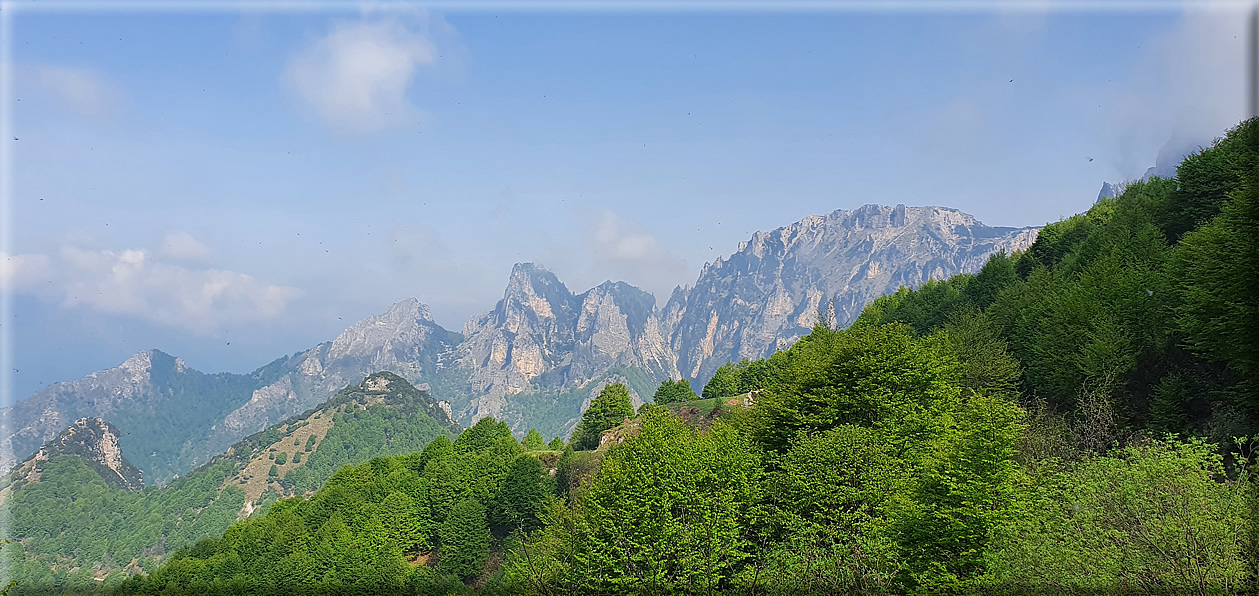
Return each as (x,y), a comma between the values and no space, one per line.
(768,293)
(66,521)
(539,354)
(167,408)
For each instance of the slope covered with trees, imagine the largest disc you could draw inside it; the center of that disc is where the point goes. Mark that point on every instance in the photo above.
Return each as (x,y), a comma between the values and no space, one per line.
(1144,307)
(75,531)
(420,523)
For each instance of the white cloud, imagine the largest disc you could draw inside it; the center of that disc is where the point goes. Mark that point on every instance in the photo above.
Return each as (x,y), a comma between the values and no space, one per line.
(134,283)
(181,246)
(621,247)
(356,77)
(80,90)
(23,272)
(1189,90)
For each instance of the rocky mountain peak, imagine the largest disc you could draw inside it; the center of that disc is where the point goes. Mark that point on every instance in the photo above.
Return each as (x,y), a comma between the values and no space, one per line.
(409,309)
(388,388)
(634,303)
(404,339)
(767,294)
(140,365)
(534,291)
(542,339)
(540,328)
(407,321)
(97,442)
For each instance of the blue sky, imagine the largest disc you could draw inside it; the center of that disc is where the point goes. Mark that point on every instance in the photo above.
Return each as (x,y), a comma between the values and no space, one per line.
(183,180)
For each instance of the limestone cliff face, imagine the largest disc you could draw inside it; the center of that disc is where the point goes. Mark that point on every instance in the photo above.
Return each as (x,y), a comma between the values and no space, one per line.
(97,442)
(768,294)
(541,336)
(618,326)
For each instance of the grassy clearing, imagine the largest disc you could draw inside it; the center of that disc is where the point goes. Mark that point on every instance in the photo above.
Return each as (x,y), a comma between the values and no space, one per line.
(254,479)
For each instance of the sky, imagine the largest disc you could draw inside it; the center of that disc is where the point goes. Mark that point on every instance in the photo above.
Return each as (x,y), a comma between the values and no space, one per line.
(231,186)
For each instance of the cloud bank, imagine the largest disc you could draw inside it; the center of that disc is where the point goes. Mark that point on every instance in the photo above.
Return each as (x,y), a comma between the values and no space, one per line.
(622,248)
(1190,89)
(148,286)
(80,91)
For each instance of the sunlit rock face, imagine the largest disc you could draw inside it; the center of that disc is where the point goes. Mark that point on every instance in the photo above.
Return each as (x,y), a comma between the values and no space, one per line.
(541,335)
(768,293)
(97,442)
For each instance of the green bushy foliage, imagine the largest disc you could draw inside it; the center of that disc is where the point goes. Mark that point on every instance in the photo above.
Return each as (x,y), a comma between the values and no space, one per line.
(533,441)
(733,378)
(465,540)
(608,409)
(1160,517)
(674,391)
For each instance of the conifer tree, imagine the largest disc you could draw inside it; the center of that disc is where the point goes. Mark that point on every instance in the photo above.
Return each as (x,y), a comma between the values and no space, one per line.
(465,540)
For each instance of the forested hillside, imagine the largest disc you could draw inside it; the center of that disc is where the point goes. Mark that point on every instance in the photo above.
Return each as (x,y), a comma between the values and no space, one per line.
(1072,419)
(75,530)
(1141,311)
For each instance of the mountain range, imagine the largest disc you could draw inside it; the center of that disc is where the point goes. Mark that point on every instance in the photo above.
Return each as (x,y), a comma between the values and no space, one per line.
(537,357)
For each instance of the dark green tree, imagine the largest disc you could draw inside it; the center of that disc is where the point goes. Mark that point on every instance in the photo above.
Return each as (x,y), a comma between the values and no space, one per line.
(997,274)
(556,444)
(1216,266)
(1206,178)
(674,391)
(522,497)
(881,377)
(465,540)
(608,409)
(725,382)
(405,527)
(438,448)
(482,435)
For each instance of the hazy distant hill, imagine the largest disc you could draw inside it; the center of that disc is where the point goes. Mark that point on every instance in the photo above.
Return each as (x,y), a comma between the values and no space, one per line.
(165,410)
(80,519)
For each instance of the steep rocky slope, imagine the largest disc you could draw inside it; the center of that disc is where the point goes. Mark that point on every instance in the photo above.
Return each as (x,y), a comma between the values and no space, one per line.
(542,336)
(94,440)
(404,340)
(768,293)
